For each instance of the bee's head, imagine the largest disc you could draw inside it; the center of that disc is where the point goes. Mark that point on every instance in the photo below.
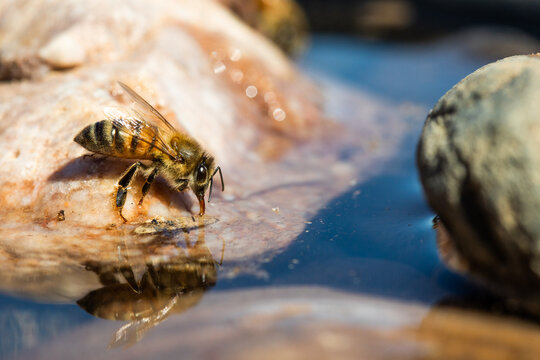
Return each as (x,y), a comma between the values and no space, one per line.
(202,178)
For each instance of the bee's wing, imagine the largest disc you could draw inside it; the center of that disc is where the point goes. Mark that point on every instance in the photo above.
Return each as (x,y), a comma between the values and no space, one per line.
(145,107)
(137,127)
(134,331)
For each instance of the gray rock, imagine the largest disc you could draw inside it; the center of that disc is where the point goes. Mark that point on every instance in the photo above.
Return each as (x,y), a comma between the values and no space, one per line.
(479,163)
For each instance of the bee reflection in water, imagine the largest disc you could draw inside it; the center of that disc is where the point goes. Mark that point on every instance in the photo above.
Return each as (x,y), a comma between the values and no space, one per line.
(164,288)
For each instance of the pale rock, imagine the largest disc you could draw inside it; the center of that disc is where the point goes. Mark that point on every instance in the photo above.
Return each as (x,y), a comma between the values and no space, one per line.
(63,51)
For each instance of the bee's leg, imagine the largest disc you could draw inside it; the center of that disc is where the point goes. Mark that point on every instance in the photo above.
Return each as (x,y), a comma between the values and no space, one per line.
(147,184)
(151,271)
(129,276)
(183,183)
(123,184)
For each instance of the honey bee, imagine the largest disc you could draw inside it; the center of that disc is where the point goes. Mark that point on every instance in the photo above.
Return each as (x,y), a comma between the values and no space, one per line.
(174,155)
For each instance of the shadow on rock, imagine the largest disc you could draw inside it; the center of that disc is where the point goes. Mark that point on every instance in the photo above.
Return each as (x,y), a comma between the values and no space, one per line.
(102,167)
(90,166)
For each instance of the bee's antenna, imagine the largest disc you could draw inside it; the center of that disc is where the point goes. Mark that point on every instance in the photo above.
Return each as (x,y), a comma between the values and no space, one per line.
(212,182)
(220,177)
(211,185)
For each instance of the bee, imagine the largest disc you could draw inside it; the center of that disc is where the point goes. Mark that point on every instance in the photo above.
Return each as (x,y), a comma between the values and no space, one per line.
(147,135)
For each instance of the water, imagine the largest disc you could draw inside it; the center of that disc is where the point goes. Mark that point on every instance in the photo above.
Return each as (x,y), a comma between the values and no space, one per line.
(378,238)
(375,239)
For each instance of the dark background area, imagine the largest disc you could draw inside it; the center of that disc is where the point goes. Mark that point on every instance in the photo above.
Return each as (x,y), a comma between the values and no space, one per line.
(419,19)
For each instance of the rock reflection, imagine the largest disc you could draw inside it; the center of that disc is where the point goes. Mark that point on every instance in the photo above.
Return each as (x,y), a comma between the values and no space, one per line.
(165,287)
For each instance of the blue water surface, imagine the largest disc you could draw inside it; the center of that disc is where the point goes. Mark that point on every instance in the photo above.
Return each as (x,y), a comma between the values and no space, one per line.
(419,73)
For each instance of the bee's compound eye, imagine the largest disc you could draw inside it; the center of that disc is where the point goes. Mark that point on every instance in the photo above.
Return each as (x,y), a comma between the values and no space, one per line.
(201,174)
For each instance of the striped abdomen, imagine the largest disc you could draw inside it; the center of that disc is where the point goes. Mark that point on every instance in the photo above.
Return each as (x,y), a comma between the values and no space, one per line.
(105,137)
